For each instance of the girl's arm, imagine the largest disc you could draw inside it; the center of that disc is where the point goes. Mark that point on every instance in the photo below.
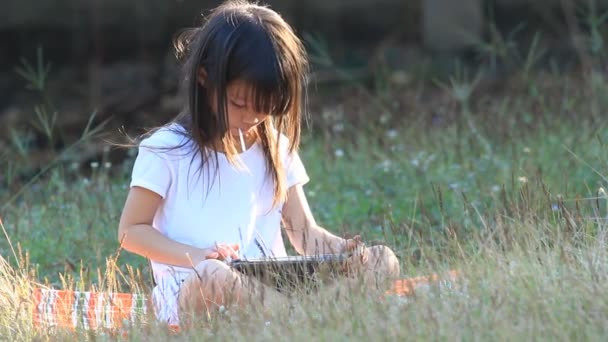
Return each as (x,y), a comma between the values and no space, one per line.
(136,234)
(305,235)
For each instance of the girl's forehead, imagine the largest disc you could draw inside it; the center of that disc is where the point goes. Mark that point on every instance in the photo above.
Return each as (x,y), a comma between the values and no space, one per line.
(240,89)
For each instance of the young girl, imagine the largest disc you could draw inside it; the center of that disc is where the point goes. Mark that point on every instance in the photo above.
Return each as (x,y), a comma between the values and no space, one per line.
(217,182)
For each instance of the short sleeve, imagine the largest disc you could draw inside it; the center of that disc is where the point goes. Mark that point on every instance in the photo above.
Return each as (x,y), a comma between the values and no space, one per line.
(151,171)
(296,172)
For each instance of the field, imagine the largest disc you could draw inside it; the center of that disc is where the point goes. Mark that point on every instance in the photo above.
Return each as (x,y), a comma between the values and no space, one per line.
(504,182)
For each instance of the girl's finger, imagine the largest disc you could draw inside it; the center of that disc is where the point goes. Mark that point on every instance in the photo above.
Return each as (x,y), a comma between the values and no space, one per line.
(218,250)
(235,248)
(351,245)
(226,251)
(229,252)
(213,255)
(364,256)
(222,252)
(234,255)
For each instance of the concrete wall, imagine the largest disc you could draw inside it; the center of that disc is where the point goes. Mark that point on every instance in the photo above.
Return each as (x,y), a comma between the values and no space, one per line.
(73,29)
(132,24)
(451,25)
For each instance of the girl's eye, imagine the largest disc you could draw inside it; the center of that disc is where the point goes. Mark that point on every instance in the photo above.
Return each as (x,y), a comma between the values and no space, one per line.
(237,104)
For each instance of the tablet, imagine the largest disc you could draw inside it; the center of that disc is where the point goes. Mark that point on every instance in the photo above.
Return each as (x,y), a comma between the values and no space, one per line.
(290,273)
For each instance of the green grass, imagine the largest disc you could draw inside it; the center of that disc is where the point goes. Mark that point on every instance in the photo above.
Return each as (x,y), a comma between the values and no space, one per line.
(514,204)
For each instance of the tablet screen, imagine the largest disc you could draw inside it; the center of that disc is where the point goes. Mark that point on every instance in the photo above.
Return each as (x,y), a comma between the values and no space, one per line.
(290,273)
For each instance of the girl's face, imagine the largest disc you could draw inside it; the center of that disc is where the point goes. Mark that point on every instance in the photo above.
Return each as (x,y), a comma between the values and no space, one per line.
(241,112)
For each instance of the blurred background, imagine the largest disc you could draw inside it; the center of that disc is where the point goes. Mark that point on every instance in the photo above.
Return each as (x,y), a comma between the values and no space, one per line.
(114,58)
(431,121)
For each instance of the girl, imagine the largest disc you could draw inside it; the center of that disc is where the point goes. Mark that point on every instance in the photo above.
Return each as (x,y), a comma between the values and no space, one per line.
(216,183)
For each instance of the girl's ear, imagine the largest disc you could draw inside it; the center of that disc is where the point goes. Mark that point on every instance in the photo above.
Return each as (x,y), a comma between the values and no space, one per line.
(202,76)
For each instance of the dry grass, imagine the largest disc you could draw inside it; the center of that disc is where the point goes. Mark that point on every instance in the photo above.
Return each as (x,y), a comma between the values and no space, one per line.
(503,182)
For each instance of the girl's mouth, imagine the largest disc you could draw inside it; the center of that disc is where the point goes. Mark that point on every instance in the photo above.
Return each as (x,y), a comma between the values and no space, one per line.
(245,131)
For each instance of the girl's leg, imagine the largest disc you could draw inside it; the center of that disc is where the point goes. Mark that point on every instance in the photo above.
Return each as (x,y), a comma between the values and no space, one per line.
(370,278)
(381,268)
(377,273)
(215,284)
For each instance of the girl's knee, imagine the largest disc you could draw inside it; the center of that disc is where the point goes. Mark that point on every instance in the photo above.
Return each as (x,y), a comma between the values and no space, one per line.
(214,276)
(214,284)
(383,259)
(211,267)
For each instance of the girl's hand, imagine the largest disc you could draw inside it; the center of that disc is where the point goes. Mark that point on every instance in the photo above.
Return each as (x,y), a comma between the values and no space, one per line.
(220,252)
(356,247)
(223,252)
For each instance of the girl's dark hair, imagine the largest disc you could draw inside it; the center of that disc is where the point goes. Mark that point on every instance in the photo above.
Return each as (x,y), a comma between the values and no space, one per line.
(249,42)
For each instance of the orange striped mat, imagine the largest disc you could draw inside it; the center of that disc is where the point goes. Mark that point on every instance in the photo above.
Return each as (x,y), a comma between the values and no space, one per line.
(110,311)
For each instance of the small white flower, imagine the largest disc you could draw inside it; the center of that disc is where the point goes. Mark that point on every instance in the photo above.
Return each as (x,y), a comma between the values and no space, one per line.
(94,165)
(386,165)
(527,150)
(339,153)
(311,193)
(107,165)
(392,134)
(554,207)
(400,77)
(602,192)
(522,179)
(384,118)
(428,161)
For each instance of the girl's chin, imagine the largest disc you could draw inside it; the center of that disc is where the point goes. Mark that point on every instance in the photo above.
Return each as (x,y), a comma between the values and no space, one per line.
(235,132)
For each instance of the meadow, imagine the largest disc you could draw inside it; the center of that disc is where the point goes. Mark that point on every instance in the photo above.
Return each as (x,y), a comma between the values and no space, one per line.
(504,181)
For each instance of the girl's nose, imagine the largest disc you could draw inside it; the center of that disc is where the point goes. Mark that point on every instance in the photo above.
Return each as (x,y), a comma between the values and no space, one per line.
(252,120)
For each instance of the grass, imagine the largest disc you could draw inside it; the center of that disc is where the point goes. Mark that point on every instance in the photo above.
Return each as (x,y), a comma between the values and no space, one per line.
(508,189)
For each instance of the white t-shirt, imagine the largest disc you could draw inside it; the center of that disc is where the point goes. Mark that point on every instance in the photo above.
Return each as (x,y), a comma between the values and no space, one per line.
(236,207)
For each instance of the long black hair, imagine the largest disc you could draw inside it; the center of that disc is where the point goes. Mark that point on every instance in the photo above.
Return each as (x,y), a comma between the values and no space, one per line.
(249,42)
